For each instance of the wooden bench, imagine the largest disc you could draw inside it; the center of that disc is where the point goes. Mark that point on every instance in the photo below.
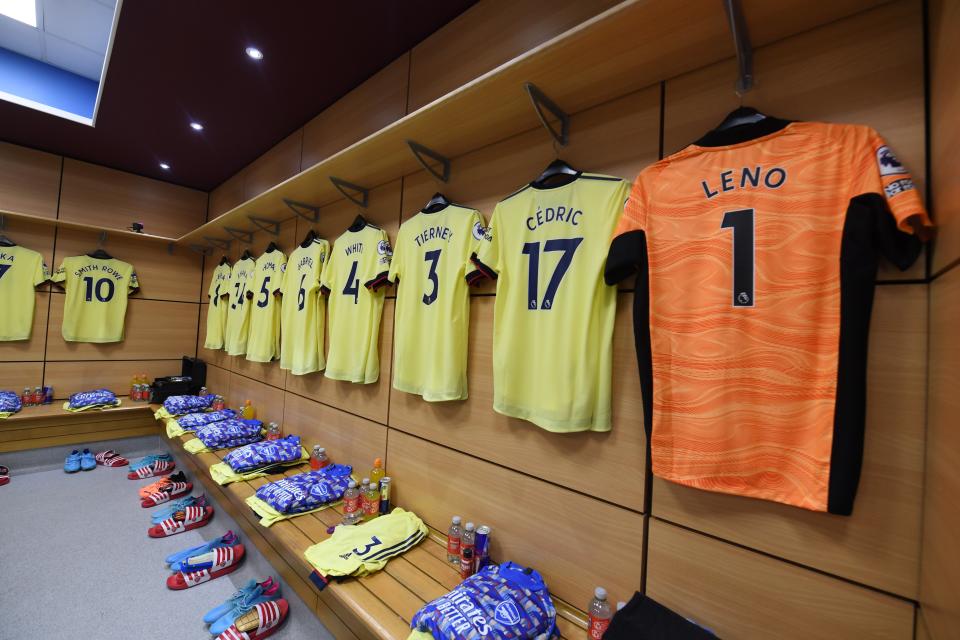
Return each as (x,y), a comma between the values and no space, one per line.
(378,606)
(50,426)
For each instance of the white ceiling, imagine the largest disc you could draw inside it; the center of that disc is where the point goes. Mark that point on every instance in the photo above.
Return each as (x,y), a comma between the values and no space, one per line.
(70,34)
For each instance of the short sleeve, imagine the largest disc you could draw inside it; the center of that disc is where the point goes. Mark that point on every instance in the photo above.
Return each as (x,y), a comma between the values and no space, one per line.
(41,273)
(324,262)
(60,275)
(278,285)
(628,245)
(377,277)
(134,282)
(485,261)
(477,231)
(395,261)
(328,273)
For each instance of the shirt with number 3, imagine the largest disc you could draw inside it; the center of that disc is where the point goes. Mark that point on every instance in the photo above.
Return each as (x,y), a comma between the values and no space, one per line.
(358,259)
(96,300)
(433,302)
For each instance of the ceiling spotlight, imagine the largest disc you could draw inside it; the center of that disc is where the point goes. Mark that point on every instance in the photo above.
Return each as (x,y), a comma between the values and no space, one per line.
(254,53)
(196,126)
(164,166)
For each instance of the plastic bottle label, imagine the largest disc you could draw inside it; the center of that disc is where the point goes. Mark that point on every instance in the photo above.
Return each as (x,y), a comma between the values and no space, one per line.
(371,507)
(351,505)
(597,627)
(453,546)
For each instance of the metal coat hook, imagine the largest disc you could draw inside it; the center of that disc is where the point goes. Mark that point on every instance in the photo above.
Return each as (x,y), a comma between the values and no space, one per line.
(540,102)
(741,43)
(419,151)
(243,236)
(265,224)
(3,222)
(202,250)
(102,240)
(219,243)
(343,185)
(298,208)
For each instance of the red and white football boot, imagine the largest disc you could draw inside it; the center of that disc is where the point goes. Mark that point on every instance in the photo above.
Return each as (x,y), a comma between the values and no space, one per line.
(207,566)
(189,518)
(260,622)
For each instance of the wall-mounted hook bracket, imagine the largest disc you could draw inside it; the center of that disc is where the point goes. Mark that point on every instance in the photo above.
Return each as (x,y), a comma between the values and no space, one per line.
(421,153)
(201,249)
(245,237)
(170,248)
(540,102)
(741,43)
(345,188)
(3,222)
(265,224)
(102,240)
(218,243)
(301,209)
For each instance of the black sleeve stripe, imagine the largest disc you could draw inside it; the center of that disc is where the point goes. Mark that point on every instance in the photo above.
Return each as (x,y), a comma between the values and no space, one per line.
(595,176)
(325,290)
(623,260)
(475,277)
(380,281)
(482,268)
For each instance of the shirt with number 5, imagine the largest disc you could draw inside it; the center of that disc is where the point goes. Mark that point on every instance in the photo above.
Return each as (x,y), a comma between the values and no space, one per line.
(263,341)
(96,300)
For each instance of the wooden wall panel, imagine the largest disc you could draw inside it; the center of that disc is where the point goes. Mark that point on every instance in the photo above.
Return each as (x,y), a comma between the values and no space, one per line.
(373,105)
(835,74)
(347,438)
(266,400)
(113,199)
(586,462)
(273,167)
(484,37)
(155,330)
(68,378)
(29,181)
(227,196)
(162,276)
(940,569)
(879,544)
(944,49)
(218,380)
(32,349)
(574,554)
(921,632)
(741,594)
(14,376)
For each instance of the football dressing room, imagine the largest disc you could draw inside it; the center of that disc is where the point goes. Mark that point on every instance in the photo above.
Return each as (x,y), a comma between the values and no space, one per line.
(480,320)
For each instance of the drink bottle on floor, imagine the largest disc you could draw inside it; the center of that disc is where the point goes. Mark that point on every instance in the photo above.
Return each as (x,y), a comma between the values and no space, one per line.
(371,503)
(385,496)
(453,541)
(468,541)
(351,504)
(377,473)
(600,614)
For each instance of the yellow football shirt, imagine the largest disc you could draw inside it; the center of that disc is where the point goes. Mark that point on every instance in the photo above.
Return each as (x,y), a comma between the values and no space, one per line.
(238,313)
(554,315)
(21,271)
(303,310)
(356,260)
(263,342)
(96,304)
(433,302)
(217,310)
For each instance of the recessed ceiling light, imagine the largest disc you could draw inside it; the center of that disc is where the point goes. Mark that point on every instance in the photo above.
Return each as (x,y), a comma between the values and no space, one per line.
(196,126)
(254,53)
(164,166)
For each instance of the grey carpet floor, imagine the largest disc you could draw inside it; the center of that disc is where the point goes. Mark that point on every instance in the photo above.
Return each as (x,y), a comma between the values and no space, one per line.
(76,562)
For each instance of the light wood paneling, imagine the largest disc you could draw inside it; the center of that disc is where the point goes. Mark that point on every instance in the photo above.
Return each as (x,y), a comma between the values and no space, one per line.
(218,380)
(944,44)
(32,349)
(14,376)
(921,632)
(226,196)
(940,569)
(367,400)
(574,554)
(609,465)
(269,372)
(879,544)
(741,594)
(113,199)
(347,438)
(29,180)
(274,166)
(370,107)
(162,276)
(266,400)
(155,330)
(68,378)
(834,73)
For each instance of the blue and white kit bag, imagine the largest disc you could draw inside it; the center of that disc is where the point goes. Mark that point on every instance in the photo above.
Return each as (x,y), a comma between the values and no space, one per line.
(182,405)
(88,399)
(193,421)
(9,403)
(306,491)
(262,454)
(230,433)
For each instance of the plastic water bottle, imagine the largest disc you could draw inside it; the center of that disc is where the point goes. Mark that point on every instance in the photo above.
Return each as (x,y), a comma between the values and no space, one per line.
(468,541)
(377,473)
(600,614)
(351,504)
(371,501)
(453,541)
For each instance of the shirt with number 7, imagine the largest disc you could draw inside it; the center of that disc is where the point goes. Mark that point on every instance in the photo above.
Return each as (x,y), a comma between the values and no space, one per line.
(238,311)
(358,259)
(96,300)
(21,271)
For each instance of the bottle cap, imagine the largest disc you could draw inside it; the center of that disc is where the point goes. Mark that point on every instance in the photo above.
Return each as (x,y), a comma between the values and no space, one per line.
(385,479)
(484,529)
(366,481)
(377,463)
(469,526)
(352,485)
(456,520)
(600,593)
(321,449)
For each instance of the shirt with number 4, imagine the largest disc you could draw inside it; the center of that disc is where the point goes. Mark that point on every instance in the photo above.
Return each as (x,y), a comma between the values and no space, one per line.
(357,261)
(96,301)
(21,271)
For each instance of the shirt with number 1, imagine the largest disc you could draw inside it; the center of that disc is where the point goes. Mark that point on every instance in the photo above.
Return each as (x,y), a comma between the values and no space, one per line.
(96,301)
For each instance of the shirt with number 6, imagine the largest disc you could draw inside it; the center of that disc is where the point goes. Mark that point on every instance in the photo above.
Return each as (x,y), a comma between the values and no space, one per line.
(303,310)
(433,302)
(238,311)
(263,342)
(358,259)
(96,300)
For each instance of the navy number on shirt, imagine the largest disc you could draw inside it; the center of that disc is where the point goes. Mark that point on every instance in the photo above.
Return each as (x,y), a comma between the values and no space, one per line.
(532,250)
(3,269)
(266,293)
(433,257)
(302,294)
(241,288)
(741,222)
(352,288)
(216,295)
(103,289)
(374,542)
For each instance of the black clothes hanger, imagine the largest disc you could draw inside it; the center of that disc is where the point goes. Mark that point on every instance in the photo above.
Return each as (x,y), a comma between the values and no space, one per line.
(358,223)
(224,260)
(271,247)
(4,240)
(101,255)
(246,255)
(308,240)
(438,202)
(557,174)
(740,116)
